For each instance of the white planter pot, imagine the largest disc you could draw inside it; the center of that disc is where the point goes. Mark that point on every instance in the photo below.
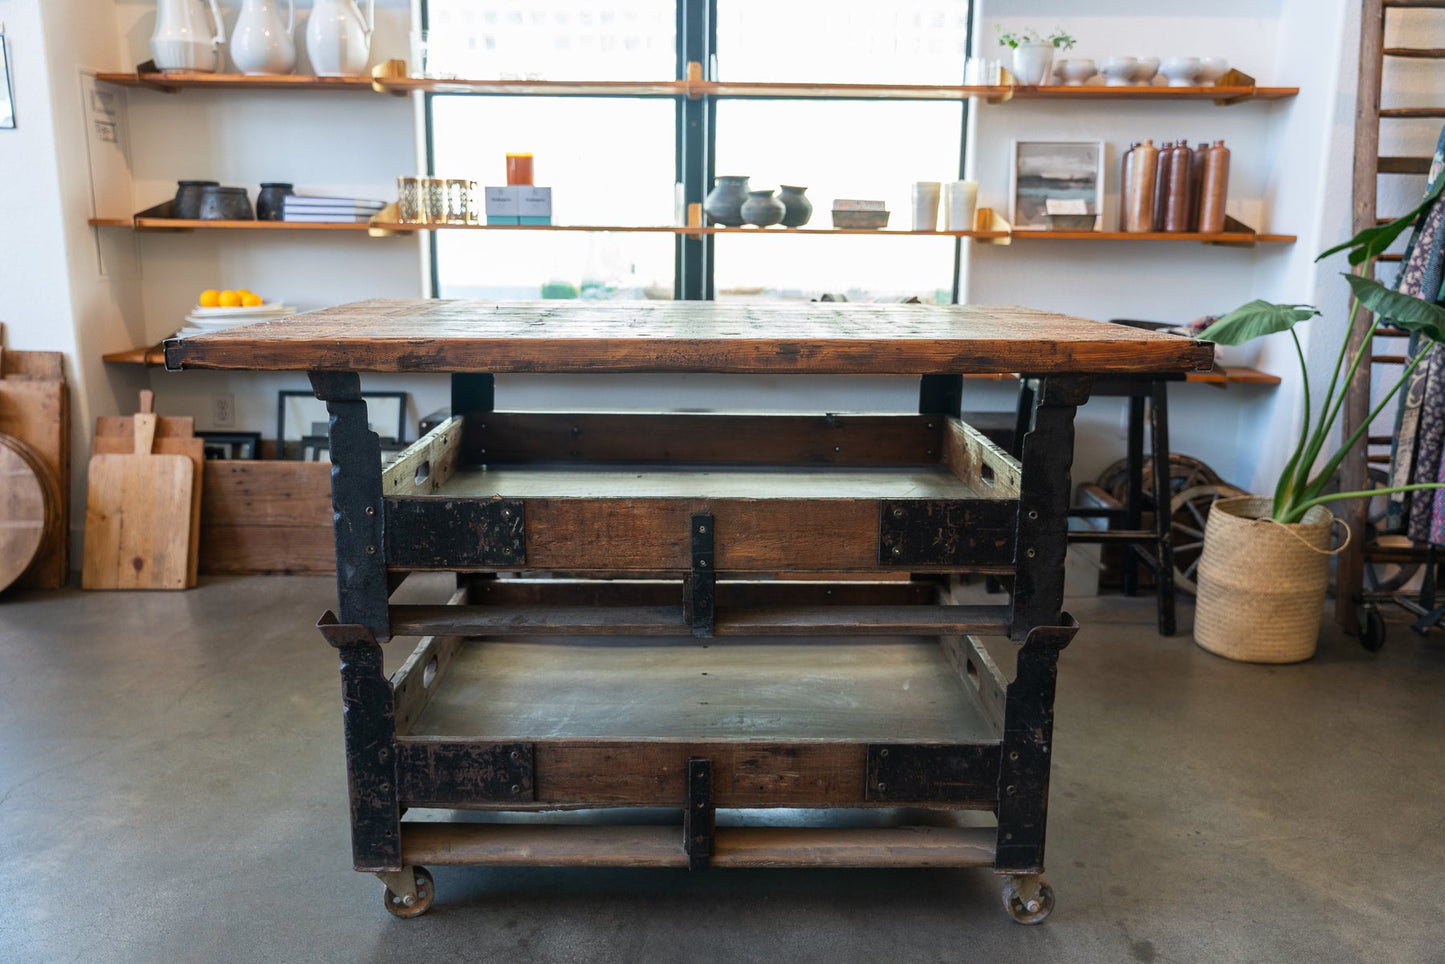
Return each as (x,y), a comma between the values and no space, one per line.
(1032,63)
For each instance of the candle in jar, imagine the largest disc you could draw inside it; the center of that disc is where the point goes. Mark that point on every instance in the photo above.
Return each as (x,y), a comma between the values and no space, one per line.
(519,168)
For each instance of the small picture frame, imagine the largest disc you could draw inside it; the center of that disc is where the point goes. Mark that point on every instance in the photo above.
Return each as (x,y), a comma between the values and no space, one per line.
(1070,174)
(231,445)
(301,424)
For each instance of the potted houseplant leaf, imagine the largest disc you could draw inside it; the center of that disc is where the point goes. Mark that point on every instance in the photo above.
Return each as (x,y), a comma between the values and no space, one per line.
(1265,564)
(1033,55)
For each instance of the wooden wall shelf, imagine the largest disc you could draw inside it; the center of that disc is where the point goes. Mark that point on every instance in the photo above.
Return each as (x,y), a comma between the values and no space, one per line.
(149,224)
(392,78)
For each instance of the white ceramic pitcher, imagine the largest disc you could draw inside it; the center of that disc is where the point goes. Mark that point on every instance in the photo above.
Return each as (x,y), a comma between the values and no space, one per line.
(338,39)
(261,42)
(187,37)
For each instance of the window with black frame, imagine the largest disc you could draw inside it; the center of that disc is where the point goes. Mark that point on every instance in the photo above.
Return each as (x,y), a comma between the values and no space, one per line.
(614,161)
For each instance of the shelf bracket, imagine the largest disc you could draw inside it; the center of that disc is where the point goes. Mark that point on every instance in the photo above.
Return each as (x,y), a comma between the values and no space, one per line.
(1235,78)
(145,70)
(987,219)
(383,72)
(694,83)
(1004,88)
(1233,226)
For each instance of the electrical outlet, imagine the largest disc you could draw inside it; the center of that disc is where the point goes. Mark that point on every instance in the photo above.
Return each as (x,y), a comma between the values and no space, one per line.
(223,410)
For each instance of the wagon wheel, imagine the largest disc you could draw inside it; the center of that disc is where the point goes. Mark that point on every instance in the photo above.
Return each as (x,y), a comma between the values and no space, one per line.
(420,904)
(1188,511)
(1185,472)
(1028,904)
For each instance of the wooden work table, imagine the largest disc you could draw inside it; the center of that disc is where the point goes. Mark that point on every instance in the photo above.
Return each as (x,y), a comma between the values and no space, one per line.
(641,622)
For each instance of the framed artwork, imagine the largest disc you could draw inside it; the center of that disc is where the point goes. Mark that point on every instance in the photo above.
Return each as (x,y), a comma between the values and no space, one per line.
(1056,185)
(306,418)
(230,445)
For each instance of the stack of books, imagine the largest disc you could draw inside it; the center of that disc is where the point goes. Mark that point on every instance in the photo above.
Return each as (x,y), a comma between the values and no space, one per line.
(314,209)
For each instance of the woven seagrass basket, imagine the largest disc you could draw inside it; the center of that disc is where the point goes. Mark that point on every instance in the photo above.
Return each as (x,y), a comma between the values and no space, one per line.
(1262,583)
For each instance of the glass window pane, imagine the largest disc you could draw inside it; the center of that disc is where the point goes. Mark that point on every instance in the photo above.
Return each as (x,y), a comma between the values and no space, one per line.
(608,162)
(843,41)
(541,40)
(840,149)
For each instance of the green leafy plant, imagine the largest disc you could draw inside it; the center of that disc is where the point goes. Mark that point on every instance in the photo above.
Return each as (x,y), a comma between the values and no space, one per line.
(1302,485)
(1008,38)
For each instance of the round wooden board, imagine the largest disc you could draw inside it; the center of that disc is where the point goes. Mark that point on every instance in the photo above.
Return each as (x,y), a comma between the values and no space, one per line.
(29,507)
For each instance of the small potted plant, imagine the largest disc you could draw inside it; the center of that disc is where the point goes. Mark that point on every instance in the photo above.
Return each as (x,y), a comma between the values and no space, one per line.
(1265,562)
(1033,55)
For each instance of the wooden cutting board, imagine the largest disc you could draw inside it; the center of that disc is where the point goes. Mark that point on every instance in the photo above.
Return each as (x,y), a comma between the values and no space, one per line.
(29,508)
(115,435)
(137,517)
(34,408)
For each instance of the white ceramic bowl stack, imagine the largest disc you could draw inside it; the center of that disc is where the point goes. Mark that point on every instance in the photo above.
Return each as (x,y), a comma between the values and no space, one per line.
(214,319)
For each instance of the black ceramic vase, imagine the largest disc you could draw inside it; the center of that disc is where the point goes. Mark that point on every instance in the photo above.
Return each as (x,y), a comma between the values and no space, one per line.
(763,209)
(187,204)
(797,209)
(225,204)
(270,202)
(724,203)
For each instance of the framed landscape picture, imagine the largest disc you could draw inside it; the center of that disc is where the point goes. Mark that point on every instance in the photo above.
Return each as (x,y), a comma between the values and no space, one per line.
(1056,185)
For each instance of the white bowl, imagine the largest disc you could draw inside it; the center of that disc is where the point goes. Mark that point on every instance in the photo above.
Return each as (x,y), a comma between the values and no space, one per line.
(1118,71)
(1181,71)
(1211,69)
(1148,67)
(1075,70)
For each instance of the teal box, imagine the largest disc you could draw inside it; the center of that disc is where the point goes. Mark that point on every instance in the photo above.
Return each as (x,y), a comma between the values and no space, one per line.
(532,219)
(503,219)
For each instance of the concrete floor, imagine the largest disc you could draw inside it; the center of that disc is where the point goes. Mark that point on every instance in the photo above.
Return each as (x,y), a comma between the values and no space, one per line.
(172,789)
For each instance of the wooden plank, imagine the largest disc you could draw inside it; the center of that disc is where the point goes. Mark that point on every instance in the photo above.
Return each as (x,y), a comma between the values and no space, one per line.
(182,80)
(267,550)
(660,592)
(1416,53)
(441,844)
(824,338)
(427,464)
(1413,112)
(668,621)
(979,463)
(1221,237)
(623,535)
(517,437)
(267,493)
(976,669)
(414,682)
(1233,375)
(182,224)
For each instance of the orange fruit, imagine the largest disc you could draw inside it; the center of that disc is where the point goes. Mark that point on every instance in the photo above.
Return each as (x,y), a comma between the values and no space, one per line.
(229,299)
(249,300)
(210,298)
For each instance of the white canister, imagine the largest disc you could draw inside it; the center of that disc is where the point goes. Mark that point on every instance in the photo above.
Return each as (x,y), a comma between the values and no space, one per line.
(925,205)
(261,42)
(960,200)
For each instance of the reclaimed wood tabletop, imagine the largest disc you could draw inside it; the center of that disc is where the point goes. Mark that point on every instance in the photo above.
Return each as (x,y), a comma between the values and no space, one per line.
(430,335)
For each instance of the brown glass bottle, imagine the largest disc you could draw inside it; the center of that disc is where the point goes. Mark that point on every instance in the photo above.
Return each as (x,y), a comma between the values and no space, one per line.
(1214,189)
(1178,200)
(1124,187)
(1143,175)
(1161,185)
(1196,183)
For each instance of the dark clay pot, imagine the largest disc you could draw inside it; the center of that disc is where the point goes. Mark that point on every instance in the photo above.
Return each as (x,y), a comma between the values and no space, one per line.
(270,200)
(187,203)
(225,204)
(724,203)
(763,209)
(797,209)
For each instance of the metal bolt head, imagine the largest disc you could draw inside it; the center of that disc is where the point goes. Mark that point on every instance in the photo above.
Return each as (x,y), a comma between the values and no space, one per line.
(1033,906)
(702,530)
(1031,553)
(371,550)
(702,563)
(506,513)
(1033,513)
(897,550)
(883,752)
(897,512)
(409,900)
(882,786)
(1011,789)
(516,755)
(516,788)
(371,510)
(1013,754)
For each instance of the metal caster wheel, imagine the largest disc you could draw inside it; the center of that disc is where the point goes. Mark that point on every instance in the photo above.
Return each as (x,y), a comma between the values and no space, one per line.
(413,904)
(1028,900)
(1371,626)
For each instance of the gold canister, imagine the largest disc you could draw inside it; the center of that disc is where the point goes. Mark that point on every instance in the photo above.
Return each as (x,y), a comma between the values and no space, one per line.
(461,201)
(433,200)
(408,200)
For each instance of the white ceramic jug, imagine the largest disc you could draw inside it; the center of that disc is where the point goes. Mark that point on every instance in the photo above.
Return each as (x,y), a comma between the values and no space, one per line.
(186,37)
(338,40)
(261,42)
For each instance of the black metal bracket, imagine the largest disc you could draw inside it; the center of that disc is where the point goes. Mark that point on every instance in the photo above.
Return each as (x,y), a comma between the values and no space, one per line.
(946,532)
(369,729)
(431,533)
(698,820)
(361,584)
(916,772)
(700,602)
(1023,773)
